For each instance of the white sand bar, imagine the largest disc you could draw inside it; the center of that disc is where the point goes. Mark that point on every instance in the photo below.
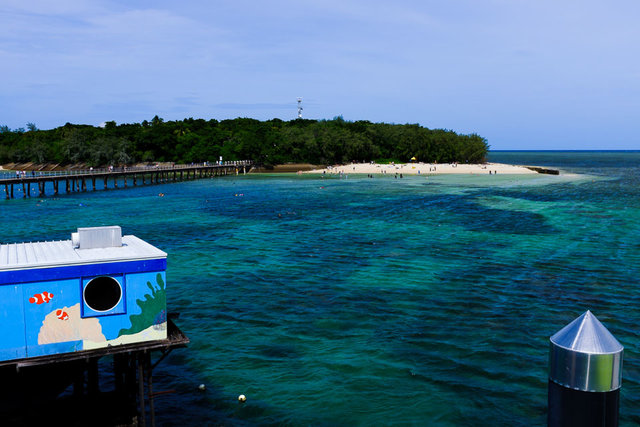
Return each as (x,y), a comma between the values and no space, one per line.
(426,169)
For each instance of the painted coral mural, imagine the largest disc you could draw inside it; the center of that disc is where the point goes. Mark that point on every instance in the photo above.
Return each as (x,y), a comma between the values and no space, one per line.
(146,321)
(66,324)
(153,309)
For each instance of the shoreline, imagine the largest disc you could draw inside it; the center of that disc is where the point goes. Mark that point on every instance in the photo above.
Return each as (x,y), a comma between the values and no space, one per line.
(425,169)
(418,168)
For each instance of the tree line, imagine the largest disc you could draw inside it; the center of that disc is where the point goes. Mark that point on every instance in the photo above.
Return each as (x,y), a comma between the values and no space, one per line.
(268,142)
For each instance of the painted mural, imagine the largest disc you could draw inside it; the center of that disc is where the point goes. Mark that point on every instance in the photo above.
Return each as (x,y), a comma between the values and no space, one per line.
(55,309)
(150,323)
(99,289)
(66,324)
(41,298)
(153,309)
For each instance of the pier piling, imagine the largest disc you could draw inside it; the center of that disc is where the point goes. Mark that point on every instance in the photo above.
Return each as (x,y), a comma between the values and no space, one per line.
(34,388)
(585,375)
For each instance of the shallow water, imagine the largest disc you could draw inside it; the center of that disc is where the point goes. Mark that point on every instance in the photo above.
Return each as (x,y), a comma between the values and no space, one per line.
(362,301)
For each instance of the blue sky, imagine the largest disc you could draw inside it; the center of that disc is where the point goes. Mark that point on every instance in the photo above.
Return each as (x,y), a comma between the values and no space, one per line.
(525,74)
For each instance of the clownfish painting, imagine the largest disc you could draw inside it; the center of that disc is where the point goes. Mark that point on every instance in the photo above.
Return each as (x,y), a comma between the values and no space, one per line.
(41,298)
(62,315)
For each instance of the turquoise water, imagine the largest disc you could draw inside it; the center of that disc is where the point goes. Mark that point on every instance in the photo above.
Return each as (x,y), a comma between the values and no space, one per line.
(379,301)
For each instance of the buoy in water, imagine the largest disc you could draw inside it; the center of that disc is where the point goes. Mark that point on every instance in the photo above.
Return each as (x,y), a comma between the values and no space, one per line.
(242,398)
(202,387)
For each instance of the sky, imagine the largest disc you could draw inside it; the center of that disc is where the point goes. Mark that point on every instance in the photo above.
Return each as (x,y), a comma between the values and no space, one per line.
(524,74)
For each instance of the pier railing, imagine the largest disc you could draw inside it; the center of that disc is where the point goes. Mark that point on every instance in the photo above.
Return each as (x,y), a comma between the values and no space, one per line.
(8,174)
(78,180)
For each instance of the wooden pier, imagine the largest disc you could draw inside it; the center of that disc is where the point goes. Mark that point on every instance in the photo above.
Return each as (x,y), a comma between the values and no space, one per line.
(79,181)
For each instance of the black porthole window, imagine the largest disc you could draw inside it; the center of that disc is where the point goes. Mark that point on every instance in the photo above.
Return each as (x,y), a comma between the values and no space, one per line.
(102,293)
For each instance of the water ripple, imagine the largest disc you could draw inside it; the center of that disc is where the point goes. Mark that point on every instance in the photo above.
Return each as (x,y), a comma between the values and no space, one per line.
(368,302)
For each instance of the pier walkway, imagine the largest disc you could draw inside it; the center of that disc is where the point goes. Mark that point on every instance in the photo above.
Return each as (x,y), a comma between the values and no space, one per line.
(79,180)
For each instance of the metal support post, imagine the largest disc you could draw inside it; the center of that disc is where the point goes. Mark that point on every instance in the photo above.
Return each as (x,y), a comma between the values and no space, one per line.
(585,374)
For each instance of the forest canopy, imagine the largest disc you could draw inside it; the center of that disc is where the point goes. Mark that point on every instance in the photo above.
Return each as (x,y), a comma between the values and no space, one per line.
(270,142)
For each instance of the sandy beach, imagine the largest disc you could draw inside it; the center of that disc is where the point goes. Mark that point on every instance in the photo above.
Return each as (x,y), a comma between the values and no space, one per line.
(425,169)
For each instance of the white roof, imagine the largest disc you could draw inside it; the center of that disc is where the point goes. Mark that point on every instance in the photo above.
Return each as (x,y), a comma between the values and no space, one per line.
(20,256)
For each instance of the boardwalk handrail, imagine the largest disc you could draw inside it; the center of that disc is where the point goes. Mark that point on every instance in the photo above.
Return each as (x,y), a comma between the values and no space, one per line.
(32,175)
(76,180)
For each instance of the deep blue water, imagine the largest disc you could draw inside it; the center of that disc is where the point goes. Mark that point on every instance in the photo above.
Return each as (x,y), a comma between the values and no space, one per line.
(378,301)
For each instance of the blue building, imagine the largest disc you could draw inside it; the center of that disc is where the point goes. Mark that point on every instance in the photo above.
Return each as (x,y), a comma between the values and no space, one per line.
(95,290)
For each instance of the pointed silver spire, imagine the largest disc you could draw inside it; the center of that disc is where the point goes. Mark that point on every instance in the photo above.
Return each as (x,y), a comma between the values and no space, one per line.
(585,356)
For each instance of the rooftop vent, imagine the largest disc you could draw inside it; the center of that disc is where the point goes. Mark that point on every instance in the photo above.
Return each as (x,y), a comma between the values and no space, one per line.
(97,237)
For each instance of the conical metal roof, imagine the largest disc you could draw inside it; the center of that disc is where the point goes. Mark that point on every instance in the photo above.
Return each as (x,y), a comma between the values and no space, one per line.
(585,356)
(587,335)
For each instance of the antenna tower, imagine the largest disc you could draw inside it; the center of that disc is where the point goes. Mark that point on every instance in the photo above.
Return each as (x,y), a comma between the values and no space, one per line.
(300,108)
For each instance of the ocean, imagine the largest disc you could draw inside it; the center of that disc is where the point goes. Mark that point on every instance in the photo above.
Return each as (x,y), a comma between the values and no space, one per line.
(359,301)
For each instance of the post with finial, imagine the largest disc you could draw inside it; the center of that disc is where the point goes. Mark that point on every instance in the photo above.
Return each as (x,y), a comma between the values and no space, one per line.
(585,374)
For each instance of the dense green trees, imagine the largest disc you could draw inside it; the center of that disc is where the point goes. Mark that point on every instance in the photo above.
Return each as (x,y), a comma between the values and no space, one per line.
(269,142)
